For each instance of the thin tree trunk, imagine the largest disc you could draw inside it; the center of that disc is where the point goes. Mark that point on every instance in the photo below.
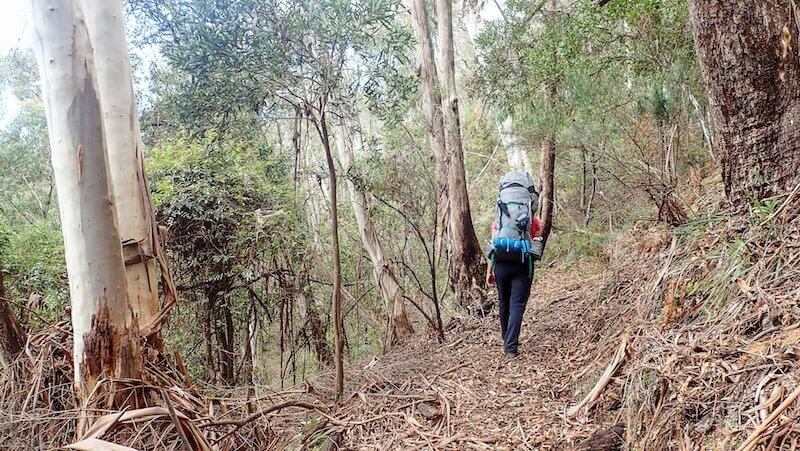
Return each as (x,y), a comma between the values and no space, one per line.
(704,126)
(587,211)
(318,329)
(104,21)
(105,334)
(321,123)
(229,347)
(12,336)
(217,339)
(432,110)
(547,163)
(383,267)
(208,342)
(584,168)
(250,350)
(467,266)
(748,59)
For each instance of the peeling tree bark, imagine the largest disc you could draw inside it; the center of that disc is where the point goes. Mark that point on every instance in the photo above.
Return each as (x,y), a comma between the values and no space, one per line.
(138,227)
(748,58)
(382,265)
(104,22)
(106,341)
(432,110)
(467,267)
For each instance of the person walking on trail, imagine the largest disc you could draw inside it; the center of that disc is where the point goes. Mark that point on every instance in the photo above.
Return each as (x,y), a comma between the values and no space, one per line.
(516,243)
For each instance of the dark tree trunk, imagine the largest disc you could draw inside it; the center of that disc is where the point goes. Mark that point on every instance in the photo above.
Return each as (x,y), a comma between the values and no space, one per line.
(748,58)
(547,166)
(228,361)
(467,266)
(313,322)
(12,337)
(208,341)
(321,123)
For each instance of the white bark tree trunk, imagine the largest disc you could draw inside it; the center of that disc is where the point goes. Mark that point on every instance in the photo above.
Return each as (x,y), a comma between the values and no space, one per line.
(516,155)
(106,29)
(432,110)
(383,268)
(105,333)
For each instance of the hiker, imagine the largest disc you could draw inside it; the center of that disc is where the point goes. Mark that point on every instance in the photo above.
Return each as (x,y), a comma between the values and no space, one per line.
(516,243)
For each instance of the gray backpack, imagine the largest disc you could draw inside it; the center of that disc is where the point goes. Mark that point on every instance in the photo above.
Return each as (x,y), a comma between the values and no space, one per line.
(516,203)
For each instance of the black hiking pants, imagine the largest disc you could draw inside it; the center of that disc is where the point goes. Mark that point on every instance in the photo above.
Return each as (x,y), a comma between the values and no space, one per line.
(513,287)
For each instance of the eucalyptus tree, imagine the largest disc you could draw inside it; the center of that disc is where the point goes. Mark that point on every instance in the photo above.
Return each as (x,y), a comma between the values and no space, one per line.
(138,229)
(271,57)
(348,139)
(750,67)
(431,98)
(467,265)
(441,112)
(105,335)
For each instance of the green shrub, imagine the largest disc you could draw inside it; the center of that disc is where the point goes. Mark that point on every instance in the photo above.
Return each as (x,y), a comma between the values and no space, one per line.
(32,256)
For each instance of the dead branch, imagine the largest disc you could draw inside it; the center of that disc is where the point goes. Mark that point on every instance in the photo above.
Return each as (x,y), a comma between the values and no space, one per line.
(612,367)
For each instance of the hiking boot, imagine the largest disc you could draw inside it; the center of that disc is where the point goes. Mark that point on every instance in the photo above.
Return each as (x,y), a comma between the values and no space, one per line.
(511,353)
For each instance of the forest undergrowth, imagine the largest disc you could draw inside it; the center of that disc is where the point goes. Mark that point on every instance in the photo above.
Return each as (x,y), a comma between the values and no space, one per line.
(680,338)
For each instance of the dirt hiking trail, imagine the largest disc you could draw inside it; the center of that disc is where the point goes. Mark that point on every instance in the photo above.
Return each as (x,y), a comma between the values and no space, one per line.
(467,394)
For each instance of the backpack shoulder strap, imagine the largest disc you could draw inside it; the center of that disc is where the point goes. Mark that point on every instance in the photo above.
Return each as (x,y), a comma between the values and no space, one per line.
(502,209)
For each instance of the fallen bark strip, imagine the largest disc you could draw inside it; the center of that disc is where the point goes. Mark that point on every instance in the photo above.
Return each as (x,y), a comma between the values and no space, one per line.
(95,444)
(238,424)
(106,422)
(612,367)
(755,436)
(175,420)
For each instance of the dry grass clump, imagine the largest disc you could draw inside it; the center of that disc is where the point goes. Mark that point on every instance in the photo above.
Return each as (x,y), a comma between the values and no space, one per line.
(39,410)
(37,403)
(716,360)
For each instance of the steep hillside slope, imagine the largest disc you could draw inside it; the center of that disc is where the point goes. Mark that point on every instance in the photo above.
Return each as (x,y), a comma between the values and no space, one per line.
(681,339)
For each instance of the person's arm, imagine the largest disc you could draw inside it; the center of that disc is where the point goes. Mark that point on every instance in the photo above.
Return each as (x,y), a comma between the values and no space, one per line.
(490,263)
